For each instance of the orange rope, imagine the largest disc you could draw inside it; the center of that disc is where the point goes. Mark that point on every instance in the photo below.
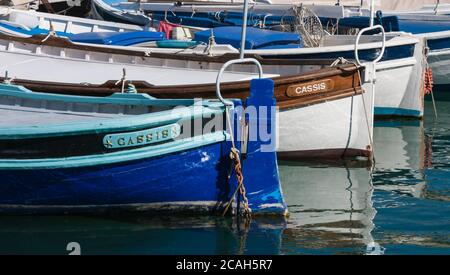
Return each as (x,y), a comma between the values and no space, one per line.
(428,81)
(235,156)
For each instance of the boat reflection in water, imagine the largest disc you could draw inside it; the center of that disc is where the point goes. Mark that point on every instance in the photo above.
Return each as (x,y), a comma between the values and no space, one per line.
(330,208)
(137,235)
(333,209)
(402,153)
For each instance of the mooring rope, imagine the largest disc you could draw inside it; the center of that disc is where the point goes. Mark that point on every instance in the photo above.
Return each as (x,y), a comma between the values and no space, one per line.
(235,157)
(342,61)
(428,82)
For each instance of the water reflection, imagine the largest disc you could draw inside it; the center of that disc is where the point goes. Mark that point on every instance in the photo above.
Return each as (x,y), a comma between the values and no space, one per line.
(402,153)
(138,235)
(331,209)
(401,208)
(413,213)
(335,209)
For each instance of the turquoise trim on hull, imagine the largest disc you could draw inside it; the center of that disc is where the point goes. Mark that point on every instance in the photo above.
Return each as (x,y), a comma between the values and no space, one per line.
(111,158)
(387,111)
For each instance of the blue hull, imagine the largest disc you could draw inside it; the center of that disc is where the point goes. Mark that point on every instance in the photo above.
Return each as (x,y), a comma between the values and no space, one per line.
(176,176)
(391,53)
(166,183)
(396,112)
(168,180)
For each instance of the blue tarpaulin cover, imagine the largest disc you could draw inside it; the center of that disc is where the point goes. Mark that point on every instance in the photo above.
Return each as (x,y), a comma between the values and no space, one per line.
(117,38)
(256,38)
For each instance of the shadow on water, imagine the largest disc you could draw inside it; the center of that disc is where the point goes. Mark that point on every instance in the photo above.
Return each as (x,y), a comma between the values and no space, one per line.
(139,235)
(403,207)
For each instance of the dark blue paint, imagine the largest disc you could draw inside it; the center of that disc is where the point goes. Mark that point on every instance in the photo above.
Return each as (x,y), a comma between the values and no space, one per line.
(391,53)
(438,44)
(117,38)
(164,179)
(256,38)
(192,176)
(385,111)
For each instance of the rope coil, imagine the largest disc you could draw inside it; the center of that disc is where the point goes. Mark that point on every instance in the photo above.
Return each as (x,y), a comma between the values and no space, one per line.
(237,165)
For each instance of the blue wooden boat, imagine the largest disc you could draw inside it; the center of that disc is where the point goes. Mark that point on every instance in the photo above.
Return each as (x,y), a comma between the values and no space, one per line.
(129,152)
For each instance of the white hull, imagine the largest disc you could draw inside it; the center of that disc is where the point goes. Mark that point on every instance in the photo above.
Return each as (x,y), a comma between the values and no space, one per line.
(399,86)
(439,60)
(344,127)
(399,90)
(62,65)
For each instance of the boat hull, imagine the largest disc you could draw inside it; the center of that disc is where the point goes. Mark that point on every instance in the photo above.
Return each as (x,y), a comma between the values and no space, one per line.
(161,183)
(344,127)
(439,56)
(102,11)
(191,182)
(399,92)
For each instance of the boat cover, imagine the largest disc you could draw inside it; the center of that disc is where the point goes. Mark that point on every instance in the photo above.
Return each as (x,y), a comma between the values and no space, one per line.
(117,38)
(256,38)
(395,24)
(18,29)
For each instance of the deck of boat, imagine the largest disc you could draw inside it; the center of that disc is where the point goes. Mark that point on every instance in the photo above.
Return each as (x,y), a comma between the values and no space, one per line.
(19,116)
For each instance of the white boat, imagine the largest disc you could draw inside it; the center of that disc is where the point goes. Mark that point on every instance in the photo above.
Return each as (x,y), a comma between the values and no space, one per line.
(431,24)
(330,123)
(30,19)
(400,91)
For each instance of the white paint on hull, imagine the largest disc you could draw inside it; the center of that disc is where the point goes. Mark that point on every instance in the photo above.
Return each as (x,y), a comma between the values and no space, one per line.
(333,125)
(399,84)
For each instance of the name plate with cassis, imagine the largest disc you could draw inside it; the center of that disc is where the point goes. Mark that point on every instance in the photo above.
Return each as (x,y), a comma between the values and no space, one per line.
(310,88)
(140,138)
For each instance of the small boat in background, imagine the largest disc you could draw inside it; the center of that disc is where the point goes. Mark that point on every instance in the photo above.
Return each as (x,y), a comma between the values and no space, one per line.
(106,11)
(42,23)
(430,24)
(132,152)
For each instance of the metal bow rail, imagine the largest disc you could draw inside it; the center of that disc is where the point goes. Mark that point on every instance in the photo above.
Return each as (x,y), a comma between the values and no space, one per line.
(235,155)
(370,71)
(225,66)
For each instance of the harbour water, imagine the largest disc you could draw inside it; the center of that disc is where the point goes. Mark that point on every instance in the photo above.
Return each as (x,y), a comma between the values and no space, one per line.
(403,208)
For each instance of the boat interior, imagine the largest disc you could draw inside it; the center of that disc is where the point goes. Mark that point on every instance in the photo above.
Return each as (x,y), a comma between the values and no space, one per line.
(21,107)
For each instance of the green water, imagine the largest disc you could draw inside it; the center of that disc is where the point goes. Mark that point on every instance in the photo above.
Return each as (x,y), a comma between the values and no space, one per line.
(403,209)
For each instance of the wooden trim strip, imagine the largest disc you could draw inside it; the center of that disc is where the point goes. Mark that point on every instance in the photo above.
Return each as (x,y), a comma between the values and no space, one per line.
(63,42)
(345,83)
